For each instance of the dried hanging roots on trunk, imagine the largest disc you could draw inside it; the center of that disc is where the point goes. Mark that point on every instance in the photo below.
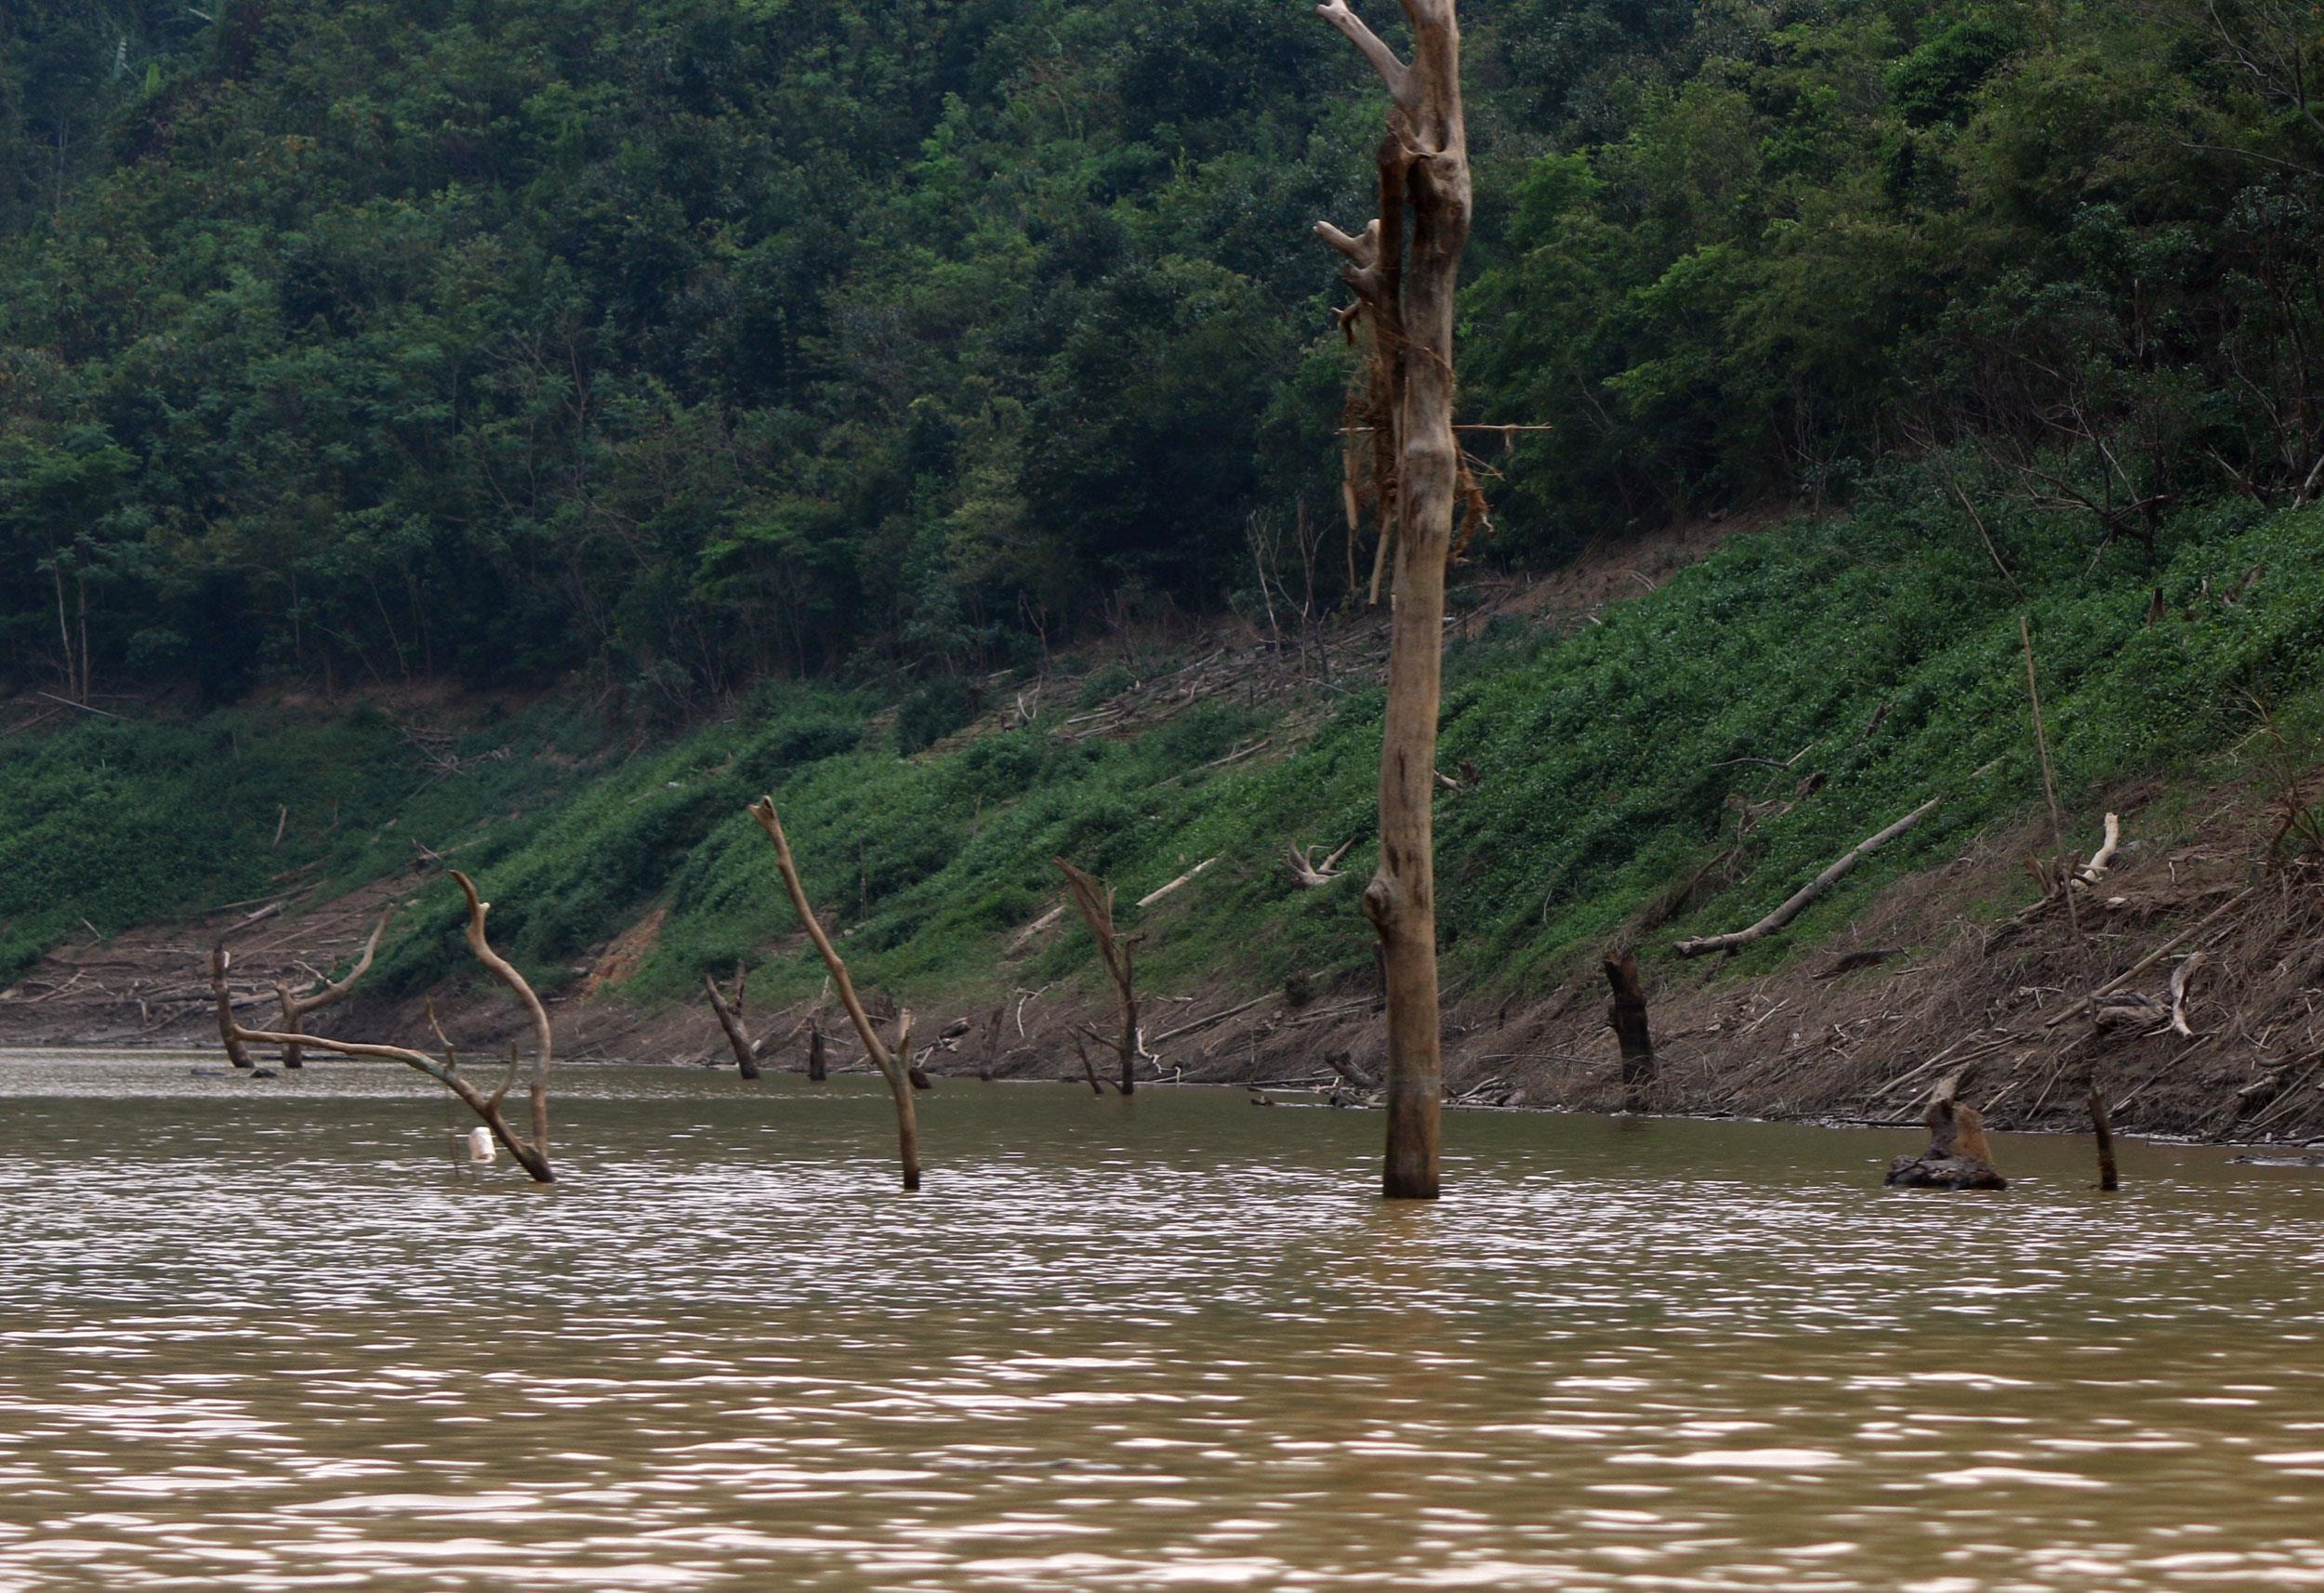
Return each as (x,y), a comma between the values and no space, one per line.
(899,1085)
(531,1152)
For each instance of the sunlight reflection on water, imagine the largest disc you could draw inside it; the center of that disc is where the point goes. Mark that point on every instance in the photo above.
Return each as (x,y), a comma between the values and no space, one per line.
(258,1335)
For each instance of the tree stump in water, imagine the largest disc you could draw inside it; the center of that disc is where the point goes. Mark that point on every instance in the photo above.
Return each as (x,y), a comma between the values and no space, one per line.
(1958,1156)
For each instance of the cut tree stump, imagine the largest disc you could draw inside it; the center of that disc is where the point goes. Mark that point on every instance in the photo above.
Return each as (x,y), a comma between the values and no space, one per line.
(1958,1156)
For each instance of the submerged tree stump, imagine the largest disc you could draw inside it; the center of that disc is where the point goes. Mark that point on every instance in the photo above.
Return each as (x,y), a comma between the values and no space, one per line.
(1958,1156)
(1626,1015)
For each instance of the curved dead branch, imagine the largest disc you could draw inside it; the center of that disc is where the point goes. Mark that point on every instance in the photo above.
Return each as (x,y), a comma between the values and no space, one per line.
(1392,72)
(530,1152)
(298,1007)
(506,973)
(1311,873)
(528,1155)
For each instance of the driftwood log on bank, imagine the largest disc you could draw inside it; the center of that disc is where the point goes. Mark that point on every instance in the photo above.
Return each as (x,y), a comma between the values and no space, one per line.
(1798,899)
(899,1085)
(530,1150)
(1405,298)
(299,1007)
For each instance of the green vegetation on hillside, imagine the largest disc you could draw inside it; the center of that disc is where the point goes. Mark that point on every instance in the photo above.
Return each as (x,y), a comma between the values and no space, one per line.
(1881,646)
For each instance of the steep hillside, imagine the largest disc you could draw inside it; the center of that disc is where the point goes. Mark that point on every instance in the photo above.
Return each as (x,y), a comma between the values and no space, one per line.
(1630,770)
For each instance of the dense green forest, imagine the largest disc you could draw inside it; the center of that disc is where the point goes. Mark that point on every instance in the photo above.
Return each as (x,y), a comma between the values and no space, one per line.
(674,345)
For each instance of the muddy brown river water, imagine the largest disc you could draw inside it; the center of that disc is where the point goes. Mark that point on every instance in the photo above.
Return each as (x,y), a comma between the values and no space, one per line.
(257,1335)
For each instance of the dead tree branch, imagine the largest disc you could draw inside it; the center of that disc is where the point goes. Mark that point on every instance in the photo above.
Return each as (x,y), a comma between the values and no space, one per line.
(899,1085)
(1311,873)
(504,970)
(1094,899)
(297,1008)
(228,1033)
(1808,892)
(730,1016)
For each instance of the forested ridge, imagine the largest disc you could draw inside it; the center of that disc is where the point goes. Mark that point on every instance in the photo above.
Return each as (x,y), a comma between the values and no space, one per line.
(682,343)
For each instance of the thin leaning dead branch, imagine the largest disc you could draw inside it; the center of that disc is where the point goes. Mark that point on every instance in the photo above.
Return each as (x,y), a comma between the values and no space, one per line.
(1798,899)
(899,1085)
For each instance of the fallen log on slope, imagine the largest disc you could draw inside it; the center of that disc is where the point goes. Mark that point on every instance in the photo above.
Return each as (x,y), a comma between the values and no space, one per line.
(1798,899)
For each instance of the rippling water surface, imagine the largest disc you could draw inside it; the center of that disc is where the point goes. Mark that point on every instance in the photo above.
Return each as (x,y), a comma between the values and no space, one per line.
(257,1335)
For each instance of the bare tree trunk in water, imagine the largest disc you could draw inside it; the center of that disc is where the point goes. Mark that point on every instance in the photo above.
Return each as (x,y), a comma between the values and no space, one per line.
(1088,1068)
(899,1086)
(992,1042)
(1626,1017)
(1408,297)
(2102,1126)
(531,1152)
(296,1007)
(817,1070)
(228,1034)
(731,1019)
(1095,898)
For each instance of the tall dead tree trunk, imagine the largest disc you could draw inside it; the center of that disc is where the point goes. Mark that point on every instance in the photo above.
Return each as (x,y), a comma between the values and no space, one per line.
(1406,293)
(899,1086)
(228,1034)
(731,1019)
(1626,1015)
(818,1069)
(1095,900)
(297,1008)
(531,1152)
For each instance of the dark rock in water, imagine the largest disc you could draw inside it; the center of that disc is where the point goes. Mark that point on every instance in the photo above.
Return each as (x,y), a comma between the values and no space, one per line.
(1958,1156)
(1942,1172)
(263,1074)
